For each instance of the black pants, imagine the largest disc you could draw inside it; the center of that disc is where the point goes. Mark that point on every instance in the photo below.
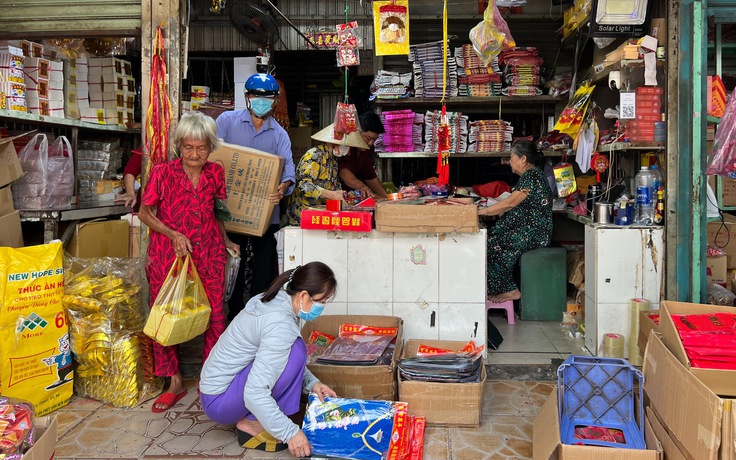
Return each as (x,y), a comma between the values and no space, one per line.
(260,270)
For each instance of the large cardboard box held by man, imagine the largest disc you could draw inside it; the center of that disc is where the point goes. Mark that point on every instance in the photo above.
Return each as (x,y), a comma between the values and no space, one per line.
(361,382)
(720,381)
(700,423)
(547,445)
(442,403)
(250,176)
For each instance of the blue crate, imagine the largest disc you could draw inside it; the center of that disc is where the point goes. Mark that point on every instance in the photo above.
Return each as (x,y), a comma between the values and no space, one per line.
(596,391)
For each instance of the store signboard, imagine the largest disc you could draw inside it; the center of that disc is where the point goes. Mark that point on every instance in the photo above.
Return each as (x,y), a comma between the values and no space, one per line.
(615,18)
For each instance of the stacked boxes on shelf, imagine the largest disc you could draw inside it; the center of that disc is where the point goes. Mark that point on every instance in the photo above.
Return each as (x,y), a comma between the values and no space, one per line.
(12,80)
(76,89)
(111,92)
(56,89)
(648,105)
(98,163)
(37,71)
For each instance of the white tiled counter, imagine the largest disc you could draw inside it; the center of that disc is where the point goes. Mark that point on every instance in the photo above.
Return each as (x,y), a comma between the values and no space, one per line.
(435,282)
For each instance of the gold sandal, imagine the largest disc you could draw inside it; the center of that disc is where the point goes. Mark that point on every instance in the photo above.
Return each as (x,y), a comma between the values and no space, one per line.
(262,441)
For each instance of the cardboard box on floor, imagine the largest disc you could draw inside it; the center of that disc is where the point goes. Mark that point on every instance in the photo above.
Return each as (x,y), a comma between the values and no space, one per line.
(100,238)
(361,382)
(10,168)
(250,176)
(546,442)
(669,446)
(646,325)
(721,382)
(447,404)
(421,218)
(723,236)
(699,422)
(11,233)
(46,430)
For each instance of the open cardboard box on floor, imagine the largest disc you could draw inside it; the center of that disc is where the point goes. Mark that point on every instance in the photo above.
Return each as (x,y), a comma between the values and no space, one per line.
(700,423)
(250,176)
(100,238)
(10,168)
(721,382)
(46,429)
(646,325)
(546,442)
(361,382)
(395,216)
(448,404)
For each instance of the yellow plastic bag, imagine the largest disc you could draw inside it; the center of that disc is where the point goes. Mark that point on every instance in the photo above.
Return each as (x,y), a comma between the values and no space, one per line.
(35,356)
(491,35)
(391,27)
(181,311)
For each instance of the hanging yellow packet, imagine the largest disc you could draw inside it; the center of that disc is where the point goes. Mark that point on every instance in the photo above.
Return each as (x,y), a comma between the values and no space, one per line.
(391,27)
(565,179)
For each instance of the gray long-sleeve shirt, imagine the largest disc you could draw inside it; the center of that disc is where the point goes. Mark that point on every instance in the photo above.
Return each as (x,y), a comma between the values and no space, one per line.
(262,334)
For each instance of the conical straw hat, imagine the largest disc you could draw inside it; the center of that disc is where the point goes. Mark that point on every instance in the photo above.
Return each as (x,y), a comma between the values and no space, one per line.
(353,139)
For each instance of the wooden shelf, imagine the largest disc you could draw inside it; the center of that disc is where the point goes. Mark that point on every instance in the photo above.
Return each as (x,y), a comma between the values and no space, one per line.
(466,100)
(32,118)
(599,72)
(620,146)
(504,154)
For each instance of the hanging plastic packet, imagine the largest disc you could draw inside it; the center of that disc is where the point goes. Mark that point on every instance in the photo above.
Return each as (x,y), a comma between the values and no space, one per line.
(347,49)
(231,272)
(391,26)
(346,120)
(565,179)
(571,118)
(492,35)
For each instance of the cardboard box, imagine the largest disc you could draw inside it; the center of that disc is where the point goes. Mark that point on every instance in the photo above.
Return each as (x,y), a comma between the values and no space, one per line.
(716,270)
(699,422)
(46,432)
(10,169)
(107,238)
(646,325)
(723,236)
(6,201)
(669,446)
(362,382)
(722,382)
(250,175)
(11,233)
(346,221)
(447,404)
(421,218)
(546,442)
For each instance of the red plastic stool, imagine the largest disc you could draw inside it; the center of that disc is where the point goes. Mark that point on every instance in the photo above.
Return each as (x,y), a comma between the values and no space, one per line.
(508,306)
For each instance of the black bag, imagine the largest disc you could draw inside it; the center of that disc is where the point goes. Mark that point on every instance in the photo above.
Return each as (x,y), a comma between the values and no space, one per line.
(494,337)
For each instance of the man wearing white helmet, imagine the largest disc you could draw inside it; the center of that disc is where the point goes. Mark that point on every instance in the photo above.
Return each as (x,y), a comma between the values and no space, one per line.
(254,127)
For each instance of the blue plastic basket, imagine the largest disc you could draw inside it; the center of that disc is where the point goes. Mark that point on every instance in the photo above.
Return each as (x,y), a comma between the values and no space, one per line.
(600,392)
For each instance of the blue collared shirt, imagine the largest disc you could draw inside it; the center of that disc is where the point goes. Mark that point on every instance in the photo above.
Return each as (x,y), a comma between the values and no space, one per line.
(236,127)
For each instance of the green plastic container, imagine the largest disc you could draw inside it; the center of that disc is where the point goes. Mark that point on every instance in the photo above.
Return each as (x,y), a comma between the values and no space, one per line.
(543,284)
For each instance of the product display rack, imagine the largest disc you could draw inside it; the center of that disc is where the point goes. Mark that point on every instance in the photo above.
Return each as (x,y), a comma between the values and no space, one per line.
(600,72)
(54,121)
(623,146)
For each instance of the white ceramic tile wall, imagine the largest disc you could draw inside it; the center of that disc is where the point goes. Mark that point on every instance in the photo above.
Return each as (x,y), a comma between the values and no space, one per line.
(326,247)
(462,268)
(418,322)
(292,247)
(463,321)
(416,262)
(370,308)
(370,271)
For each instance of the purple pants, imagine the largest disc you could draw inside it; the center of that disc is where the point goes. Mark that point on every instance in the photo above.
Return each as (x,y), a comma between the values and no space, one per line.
(229,408)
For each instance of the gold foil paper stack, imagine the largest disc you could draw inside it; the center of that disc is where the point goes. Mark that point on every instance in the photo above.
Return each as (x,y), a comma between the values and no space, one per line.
(106,311)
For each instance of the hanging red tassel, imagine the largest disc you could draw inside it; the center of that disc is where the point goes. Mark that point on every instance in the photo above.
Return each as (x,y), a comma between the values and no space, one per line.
(443,147)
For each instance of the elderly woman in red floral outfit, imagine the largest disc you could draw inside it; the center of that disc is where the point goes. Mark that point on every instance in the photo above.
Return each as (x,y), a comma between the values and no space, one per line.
(178,206)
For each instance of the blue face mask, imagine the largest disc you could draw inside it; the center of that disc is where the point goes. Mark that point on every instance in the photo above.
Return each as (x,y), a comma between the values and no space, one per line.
(312,314)
(261,106)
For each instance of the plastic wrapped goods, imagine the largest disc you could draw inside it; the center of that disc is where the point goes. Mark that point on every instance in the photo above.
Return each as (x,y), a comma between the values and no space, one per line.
(16,428)
(107,312)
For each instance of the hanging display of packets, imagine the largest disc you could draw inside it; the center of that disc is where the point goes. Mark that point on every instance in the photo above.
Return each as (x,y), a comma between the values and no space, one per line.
(346,120)
(347,50)
(391,26)
(107,312)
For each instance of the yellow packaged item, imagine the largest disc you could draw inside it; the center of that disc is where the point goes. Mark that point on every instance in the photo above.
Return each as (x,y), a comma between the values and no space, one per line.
(35,354)
(391,26)
(565,179)
(181,311)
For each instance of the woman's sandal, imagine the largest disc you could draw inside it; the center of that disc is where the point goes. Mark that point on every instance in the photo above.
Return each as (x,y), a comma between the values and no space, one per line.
(262,441)
(167,399)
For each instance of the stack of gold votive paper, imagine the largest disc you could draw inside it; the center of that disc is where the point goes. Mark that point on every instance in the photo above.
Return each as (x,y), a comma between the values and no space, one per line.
(106,312)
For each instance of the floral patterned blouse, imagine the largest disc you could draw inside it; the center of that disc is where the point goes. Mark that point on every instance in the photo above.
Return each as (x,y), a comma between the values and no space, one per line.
(316,171)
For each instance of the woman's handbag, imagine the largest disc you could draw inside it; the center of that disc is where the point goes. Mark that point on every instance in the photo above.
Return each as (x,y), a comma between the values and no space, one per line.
(181,311)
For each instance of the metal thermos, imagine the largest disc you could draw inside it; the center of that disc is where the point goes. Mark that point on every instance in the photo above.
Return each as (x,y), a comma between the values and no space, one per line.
(592,197)
(603,213)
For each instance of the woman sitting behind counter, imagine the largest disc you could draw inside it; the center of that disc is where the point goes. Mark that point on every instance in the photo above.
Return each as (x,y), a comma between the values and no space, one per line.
(525,222)
(317,172)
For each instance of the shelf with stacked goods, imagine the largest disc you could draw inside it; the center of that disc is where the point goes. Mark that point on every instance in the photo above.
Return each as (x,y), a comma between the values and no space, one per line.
(25,117)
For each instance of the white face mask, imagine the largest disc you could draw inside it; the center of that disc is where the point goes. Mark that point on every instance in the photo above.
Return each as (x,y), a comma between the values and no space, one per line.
(341,150)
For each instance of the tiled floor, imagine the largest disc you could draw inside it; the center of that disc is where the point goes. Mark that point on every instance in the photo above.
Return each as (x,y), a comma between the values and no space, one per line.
(90,430)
